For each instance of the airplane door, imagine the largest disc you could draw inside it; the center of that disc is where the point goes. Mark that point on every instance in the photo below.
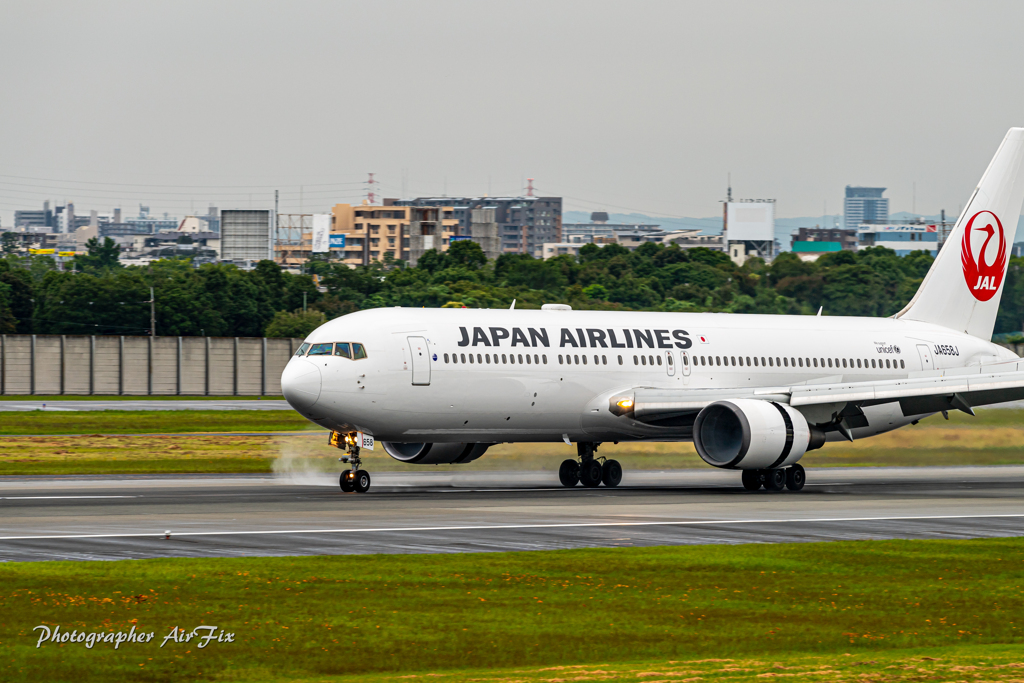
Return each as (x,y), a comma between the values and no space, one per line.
(926,357)
(684,358)
(670,363)
(420,361)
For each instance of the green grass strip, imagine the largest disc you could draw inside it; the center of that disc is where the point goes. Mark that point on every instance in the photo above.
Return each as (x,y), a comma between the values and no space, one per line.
(314,617)
(150,421)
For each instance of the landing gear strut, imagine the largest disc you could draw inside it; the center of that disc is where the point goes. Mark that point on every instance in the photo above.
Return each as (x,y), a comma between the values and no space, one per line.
(792,478)
(354,478)
(589,470)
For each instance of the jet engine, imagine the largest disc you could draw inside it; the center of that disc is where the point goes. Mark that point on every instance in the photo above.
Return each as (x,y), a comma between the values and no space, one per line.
(749,434)
(435,453)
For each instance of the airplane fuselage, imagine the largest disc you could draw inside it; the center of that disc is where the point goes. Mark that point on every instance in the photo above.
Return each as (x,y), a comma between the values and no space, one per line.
(490,376)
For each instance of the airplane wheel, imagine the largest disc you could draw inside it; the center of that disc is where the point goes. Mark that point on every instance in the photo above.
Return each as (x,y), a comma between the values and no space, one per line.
(569,473)
(347,484)
(796,477)
(751,479)
(611,473)
(775,480)
(590,474)
(362,481)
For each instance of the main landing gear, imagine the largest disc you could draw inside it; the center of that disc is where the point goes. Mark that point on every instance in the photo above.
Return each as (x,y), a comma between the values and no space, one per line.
(353,479)
(792,478)
(589,470)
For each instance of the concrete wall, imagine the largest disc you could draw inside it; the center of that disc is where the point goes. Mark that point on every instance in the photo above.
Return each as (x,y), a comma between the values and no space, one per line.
(161,366)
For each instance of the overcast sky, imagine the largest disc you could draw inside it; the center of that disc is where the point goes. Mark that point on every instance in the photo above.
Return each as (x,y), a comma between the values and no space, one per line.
(642,106)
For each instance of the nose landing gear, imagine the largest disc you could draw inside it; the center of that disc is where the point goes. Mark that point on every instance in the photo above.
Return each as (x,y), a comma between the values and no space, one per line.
(354,478)
(589,470)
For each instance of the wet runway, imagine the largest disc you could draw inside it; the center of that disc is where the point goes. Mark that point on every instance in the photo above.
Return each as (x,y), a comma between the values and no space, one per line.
(107,518)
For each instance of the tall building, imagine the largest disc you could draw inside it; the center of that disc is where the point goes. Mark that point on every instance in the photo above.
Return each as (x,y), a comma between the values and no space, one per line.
(372,232)
(524,223)
(864,205)
(246,235)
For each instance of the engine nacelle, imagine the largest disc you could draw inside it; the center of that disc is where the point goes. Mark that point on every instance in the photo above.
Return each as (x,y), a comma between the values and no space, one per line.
(750,434)
(434,453)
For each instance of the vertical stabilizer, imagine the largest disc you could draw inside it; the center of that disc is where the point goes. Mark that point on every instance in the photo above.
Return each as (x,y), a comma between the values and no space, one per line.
(963,286)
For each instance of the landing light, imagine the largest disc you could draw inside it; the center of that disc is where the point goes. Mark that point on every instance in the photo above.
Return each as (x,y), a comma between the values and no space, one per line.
(625,403)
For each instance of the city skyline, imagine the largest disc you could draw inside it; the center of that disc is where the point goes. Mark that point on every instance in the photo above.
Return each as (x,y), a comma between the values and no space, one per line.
(183,106)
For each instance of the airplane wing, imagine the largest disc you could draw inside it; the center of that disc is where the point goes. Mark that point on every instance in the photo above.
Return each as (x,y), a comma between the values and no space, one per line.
(932,392)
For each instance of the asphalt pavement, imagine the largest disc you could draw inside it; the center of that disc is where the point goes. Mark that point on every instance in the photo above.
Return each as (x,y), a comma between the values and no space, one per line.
(128,516)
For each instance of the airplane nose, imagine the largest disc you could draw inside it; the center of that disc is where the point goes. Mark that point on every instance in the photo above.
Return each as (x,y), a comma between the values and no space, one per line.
(300,384)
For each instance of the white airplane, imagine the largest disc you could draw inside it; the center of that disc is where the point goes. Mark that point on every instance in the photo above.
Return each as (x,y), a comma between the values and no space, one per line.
(753,392)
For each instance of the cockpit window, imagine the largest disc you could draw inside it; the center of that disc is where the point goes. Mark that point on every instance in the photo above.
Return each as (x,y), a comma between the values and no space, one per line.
(342,349)
(302,350)
(358,351)
(320,349)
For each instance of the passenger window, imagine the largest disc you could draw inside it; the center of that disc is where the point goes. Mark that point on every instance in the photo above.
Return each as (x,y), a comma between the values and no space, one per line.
(470,359)
(520,359)
(755,361)
(358,351)
(512,358)
(844,362)
(778,362)
(858,362)
(762,361)
(463,358)
(604,360)
(446,358)
(801,361)
(559,359)
(659,360)
(668,360)
(902,366)
(544,357)
(527,359)
(643,360)
(620,360)
(503,358)
(733,360)
(830,362)
(886,363)
(748,361)
(479,358)
(302,349)
(718,360)
(584,359)
(320,349)
(872,362)
(342,349)
(686,359)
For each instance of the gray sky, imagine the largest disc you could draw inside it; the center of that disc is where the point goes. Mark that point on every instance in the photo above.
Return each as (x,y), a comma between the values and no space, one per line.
(618,105)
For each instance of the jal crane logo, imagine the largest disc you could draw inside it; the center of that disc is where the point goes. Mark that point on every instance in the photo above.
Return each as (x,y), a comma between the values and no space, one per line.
(983,277)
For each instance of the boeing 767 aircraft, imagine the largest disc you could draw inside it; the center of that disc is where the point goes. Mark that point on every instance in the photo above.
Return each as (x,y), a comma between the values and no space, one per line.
(753,392)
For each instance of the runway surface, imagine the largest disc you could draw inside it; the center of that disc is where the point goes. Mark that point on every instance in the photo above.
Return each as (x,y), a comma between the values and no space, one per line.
(130,404)
(107,518)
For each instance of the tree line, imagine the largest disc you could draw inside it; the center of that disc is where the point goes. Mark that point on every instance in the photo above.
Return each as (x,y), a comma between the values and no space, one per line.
(97,295)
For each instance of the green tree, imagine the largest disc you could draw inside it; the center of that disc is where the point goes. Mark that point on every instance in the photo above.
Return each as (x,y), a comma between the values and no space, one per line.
(9,243)
(101,255)
(295,324)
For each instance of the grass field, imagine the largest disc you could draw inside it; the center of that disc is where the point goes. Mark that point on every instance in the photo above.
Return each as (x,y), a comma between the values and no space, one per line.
(49,398)
(871,610)
(101,442)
